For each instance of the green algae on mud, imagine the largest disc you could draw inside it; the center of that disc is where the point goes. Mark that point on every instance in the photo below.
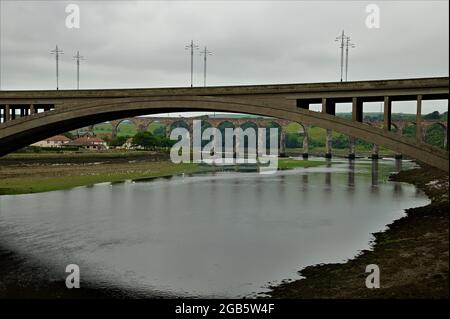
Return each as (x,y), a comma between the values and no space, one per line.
(35,173)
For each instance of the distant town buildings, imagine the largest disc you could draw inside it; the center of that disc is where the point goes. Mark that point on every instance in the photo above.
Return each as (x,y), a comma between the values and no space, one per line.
(89,143)
(54,141)
(85,141)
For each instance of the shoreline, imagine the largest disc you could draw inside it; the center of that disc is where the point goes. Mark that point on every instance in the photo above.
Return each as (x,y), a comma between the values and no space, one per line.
(40,173)
(412,254)
(344,280)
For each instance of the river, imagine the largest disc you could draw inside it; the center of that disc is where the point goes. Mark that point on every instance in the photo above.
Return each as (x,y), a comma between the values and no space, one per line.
(224,234)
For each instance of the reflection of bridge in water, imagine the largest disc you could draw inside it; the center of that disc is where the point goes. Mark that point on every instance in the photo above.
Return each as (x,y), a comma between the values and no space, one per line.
(143,123)
(30,116)
(374,171)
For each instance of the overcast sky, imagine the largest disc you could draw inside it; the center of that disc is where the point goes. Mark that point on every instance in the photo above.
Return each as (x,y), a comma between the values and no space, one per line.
(141,44)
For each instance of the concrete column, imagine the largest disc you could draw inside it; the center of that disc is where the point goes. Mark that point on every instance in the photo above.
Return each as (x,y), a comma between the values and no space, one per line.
(357,110)
(114,131)
(283,144)
(7,113)
(33,109)
(328,106)
(191,140)
(328,144)
(351,143)
(375,152)
(387,113)
(399,156)
(305,142)
(419,137)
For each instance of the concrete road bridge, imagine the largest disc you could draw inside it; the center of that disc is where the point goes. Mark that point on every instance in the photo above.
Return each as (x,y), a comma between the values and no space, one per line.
(30,116)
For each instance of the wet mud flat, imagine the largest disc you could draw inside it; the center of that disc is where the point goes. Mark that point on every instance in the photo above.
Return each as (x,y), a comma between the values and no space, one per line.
(412,254)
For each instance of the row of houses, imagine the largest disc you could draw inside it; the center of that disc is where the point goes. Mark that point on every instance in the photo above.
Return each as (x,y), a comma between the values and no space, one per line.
(87,141)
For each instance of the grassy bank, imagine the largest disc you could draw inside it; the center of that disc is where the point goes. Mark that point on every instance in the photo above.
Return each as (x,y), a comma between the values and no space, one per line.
(412,254)
(287,163)
(34,173)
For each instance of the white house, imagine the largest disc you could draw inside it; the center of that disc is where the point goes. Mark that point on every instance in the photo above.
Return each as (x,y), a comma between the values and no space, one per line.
(54,141)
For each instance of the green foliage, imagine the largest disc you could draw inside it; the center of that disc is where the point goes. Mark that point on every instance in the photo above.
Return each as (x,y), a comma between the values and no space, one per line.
(118,141)
(340,141)
(149,141)
(432,116)
(435,136)
(294,140)
(159,131)
(409,131)
(69,135)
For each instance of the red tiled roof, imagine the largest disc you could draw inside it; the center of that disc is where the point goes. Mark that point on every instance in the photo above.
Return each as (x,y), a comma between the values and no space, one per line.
(58,138)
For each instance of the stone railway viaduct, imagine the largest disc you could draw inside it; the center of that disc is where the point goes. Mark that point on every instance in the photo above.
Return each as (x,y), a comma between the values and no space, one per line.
(142,124)
(30,116)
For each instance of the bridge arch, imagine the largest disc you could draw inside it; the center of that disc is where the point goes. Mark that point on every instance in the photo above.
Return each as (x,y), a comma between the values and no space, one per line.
(27,130)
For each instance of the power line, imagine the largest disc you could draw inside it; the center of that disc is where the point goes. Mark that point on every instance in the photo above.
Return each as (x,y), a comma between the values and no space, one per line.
(192,47)
(205,53)
(57,52)
(341,38)
(348,45)
(78,58)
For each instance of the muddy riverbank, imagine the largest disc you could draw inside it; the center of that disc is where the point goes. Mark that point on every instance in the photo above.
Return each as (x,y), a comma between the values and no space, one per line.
(412,254)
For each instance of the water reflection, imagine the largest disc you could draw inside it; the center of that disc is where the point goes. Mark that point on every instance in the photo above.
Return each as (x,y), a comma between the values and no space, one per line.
(398,165)
(375,177)
(214,235)
(328,175)
(351,175)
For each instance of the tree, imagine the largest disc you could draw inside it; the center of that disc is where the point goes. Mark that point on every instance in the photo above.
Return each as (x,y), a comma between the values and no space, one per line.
(293,140)
(432,116)
(68,135)
(118,140)
(149,141)
(159,131)
(145,139)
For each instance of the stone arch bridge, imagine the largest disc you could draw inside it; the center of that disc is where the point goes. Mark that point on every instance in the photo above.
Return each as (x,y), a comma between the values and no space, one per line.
(142,124)
(30,116)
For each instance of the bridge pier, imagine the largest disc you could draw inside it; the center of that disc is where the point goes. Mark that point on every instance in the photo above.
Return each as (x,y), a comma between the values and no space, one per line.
(375,152)
(357,109)
(329,144)
(351,154)
(282,147)
(357,116)
(7,115)
(328,107)
(305,142)
(387,113)
(419,136)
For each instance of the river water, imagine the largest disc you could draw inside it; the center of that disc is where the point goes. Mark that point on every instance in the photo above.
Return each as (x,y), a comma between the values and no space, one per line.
(222,234)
